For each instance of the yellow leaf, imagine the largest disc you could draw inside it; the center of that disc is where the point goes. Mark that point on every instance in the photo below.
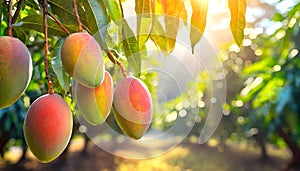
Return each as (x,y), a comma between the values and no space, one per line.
(238,21)
(174,10)
(143,9)
(198,20)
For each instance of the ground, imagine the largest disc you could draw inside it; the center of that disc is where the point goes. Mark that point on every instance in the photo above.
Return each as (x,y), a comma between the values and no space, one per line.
(185,157)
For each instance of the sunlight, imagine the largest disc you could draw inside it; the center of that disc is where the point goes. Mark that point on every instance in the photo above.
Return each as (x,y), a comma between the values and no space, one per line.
(217,6)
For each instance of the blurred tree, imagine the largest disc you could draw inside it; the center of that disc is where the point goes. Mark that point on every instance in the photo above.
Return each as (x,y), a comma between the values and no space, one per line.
(267,104)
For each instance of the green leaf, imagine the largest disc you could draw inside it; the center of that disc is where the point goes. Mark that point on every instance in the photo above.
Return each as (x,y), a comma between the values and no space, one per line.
(268,94)
(65,11)
(7,124)
(131,49)
(198,21)
(172,25)
(285,97)
(144,21)
(35,22)
(262,66)
(97,20)
(158,35)
(62,76)
(278,17)
(238,21)
(32,4)
(20,34)
(114,9)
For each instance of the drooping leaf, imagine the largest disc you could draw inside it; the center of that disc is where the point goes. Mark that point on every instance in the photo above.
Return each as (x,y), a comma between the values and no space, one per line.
(198,21)
(35,22)
(158,35)
(62,76)
(172,25)
(268,93)
(32,4)
(238,21)
(174,10)
(19,33)
(114,9)
(261,66)
(131,49)
(65,11)
(97,21)
(144,21)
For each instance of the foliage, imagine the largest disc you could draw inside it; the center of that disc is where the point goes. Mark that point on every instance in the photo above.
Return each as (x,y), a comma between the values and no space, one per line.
(105,21)
(267,103)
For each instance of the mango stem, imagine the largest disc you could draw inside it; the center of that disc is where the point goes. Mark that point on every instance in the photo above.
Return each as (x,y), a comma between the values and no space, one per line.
(9,20)
(115,60)
(77,17)
(45,12)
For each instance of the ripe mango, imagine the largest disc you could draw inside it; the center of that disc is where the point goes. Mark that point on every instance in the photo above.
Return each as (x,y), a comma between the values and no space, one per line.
(132,107)
(15,70)
(48,127)
(82,59)
(95,103)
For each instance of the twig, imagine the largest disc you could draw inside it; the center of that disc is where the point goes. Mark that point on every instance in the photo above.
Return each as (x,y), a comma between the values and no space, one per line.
(77,17)
(45,12)
(86,28)
(116,61)
(58,22)
(19,7)
(9,20)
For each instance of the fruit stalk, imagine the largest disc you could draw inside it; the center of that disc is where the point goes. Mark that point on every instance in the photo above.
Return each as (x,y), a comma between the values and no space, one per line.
(9,20)
(113,59)
(45,12)
(77,17)
(59,23)
(19,7)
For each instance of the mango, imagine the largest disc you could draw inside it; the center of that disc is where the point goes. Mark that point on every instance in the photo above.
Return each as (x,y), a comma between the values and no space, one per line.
(48,127)
(82,59)
(15,70)
(94,104)
(112,123)
(132,107)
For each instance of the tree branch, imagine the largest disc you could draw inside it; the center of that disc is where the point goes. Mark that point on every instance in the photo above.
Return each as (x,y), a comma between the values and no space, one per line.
(45,13)
(58,22)
(19,7)
(77,17)
(9,20)
(113,59)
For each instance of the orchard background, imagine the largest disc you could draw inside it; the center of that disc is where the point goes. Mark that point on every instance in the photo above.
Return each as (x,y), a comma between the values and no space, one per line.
(259,50)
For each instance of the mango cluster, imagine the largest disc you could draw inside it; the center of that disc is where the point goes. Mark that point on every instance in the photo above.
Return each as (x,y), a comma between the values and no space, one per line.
(49,120)
(95,96)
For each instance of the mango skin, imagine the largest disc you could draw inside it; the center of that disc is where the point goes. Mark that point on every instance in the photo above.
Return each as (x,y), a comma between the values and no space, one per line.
(48,127)
(15,70)
(82,59)
(132,107)
(95,103)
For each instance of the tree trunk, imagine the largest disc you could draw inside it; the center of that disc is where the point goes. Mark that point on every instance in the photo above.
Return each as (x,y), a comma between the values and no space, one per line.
(293,146)
(262,144)
(3,141)
(86,142)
